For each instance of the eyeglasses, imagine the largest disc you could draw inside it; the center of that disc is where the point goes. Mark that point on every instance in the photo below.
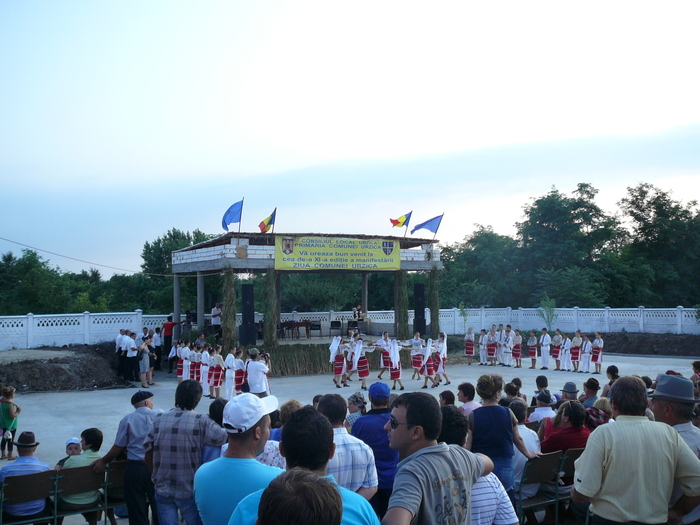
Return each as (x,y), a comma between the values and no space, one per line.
(394,424)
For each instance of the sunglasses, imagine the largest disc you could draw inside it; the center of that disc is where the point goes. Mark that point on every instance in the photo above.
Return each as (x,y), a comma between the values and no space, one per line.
(394,424)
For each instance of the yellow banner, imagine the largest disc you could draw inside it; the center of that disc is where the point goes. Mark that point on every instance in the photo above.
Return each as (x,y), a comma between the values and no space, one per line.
(336,253)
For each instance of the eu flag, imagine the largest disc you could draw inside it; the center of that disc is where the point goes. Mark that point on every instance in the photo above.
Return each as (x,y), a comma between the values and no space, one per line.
(431,225)
(232,215)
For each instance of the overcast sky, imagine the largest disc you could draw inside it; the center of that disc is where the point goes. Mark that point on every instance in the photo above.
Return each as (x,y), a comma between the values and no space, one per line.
(121,120)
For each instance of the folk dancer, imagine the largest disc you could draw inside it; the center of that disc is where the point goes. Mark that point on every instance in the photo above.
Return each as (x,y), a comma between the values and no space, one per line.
(194,358)
(517,349)
(354,336)
(360,361)
(545,343)
(500,345)
(384,345)
(586,350)
(427,369)
(508,347)
(215,377)
(491,346)
(440,358)
(230,368)
(556,348)
(337,357)
(469,345)
(483,351)
(597,352)
(239,370)
(416,345)
(566,353)
(532,349)
(395,369)
(576,343)
(183,372)
(204,368)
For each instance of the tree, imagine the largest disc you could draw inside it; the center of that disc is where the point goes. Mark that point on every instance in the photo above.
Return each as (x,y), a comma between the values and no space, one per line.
(156,255)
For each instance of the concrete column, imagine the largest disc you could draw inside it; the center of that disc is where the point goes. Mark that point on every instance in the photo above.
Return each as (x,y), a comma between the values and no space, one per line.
(86,328)
(200,300)
(176,306)
(679,318)
(365,289)
(641,319)
(30,330)
(396,304)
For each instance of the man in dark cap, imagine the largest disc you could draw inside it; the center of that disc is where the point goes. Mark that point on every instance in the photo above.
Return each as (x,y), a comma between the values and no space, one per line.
(590,392)
(26,463)
(138,487)
(544,406)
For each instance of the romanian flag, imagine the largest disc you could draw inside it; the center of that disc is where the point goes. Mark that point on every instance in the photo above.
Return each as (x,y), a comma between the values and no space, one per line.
(401,221)
(266,224)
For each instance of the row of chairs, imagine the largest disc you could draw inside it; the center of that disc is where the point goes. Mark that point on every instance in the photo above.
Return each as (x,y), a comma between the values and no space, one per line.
(547,469)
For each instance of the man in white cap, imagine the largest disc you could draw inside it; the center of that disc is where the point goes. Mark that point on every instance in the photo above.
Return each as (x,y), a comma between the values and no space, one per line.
(221,484)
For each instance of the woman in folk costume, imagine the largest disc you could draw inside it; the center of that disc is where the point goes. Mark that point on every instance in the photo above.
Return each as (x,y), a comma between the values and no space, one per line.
(556,348)
(416,346)
(360,362)
(338,359)
(229,367)
(517,349)
(204,367)
(239,370)
(491,344)
(395,369)
(597,352)
(532,349)
(565,353)
(427,369)
(384,345)
(195,362)
(354,336)
(469,345)
(576,343)
(215,377)
(440,358)
(184,372)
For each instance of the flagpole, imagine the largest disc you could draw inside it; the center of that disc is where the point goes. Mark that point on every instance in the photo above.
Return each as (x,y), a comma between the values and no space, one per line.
(406,230)
(273,224)
(241,221)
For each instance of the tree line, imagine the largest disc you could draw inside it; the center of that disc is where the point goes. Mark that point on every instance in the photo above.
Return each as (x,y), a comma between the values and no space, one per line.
(566,251)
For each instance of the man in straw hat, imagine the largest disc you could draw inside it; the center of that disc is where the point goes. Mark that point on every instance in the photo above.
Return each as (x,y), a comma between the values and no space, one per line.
(26,463)
(621,485)
(673,402)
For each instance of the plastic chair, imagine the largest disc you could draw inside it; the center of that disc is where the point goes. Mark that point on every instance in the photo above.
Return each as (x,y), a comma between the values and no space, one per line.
(336,325)
(316,325)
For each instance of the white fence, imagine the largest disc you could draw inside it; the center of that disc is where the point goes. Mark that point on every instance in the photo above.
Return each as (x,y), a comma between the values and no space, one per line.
(32,331)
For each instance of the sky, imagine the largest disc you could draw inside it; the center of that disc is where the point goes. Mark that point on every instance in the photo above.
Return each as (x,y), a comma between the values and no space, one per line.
(122,120)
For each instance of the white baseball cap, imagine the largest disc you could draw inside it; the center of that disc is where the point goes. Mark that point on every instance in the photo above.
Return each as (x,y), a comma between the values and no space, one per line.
(73,441)
(244,411)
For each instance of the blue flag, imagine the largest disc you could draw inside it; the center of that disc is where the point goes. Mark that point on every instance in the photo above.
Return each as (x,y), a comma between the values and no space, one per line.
(431,225)
(232,215)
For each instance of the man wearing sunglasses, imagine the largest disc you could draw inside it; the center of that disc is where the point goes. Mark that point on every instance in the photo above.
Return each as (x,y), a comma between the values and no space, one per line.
(433,483)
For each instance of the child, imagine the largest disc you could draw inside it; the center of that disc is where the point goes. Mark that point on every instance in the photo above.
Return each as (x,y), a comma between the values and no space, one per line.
(586,350)
(240,370)
(72,449)
(216,372)
(9,413)
(517,349)
(532,345)
(483,350)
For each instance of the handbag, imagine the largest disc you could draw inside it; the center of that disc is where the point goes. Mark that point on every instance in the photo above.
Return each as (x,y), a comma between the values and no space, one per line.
(245,387)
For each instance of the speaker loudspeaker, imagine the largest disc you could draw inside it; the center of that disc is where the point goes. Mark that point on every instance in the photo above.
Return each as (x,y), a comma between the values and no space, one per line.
(248,304)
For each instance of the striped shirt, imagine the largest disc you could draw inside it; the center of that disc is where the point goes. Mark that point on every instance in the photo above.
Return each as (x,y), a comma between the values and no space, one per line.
(352,465)
(490,503)
(24,465)
(628,470)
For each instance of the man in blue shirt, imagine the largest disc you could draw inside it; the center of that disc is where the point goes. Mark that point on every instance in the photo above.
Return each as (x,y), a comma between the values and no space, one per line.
(26,463)
(220,484)
(370,429)
(307,442)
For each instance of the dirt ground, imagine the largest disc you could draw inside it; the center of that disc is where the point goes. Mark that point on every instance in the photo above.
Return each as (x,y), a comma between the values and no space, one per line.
(94,367)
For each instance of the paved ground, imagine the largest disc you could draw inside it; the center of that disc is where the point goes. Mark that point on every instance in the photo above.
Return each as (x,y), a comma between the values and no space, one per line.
(55,417)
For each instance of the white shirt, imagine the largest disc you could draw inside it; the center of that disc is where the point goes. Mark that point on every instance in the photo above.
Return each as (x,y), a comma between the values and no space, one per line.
(256,377)
(156,339)
(130,346)
(216,320)
(545,340)
(540,413)
(532,442)
(118,342)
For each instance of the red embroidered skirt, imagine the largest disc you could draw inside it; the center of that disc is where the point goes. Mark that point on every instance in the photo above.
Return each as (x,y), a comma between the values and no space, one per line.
(395,373)
(597,356)
(556,350)
(216,376)
(362,367)
(179,368)
(575,353)
(516,351)
(417,361)
(238,377)
(339,365)
(469,348)
(428,369)
(386,359)
(491,350)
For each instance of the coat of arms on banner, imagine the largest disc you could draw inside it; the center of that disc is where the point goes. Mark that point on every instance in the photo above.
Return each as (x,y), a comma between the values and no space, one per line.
(388,247)
(287,245)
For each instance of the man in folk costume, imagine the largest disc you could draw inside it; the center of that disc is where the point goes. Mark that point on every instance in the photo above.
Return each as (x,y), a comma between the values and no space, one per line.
(483,348)
(500,344)
(229,367)
(545,342)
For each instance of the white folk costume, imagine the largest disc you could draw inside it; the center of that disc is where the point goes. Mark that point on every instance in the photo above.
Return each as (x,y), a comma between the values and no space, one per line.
(566,354)
(239,374)
(508,350)
(195,365)
(483,349)
(545,342)
(185,356)
(204,369)
(532,347)
(395,368)
(360,362)
(517,347)
(439,357)
(229,367)
(556,347)
(500,345)
(416,345)
(491,345)
(586,350)
(215,377)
